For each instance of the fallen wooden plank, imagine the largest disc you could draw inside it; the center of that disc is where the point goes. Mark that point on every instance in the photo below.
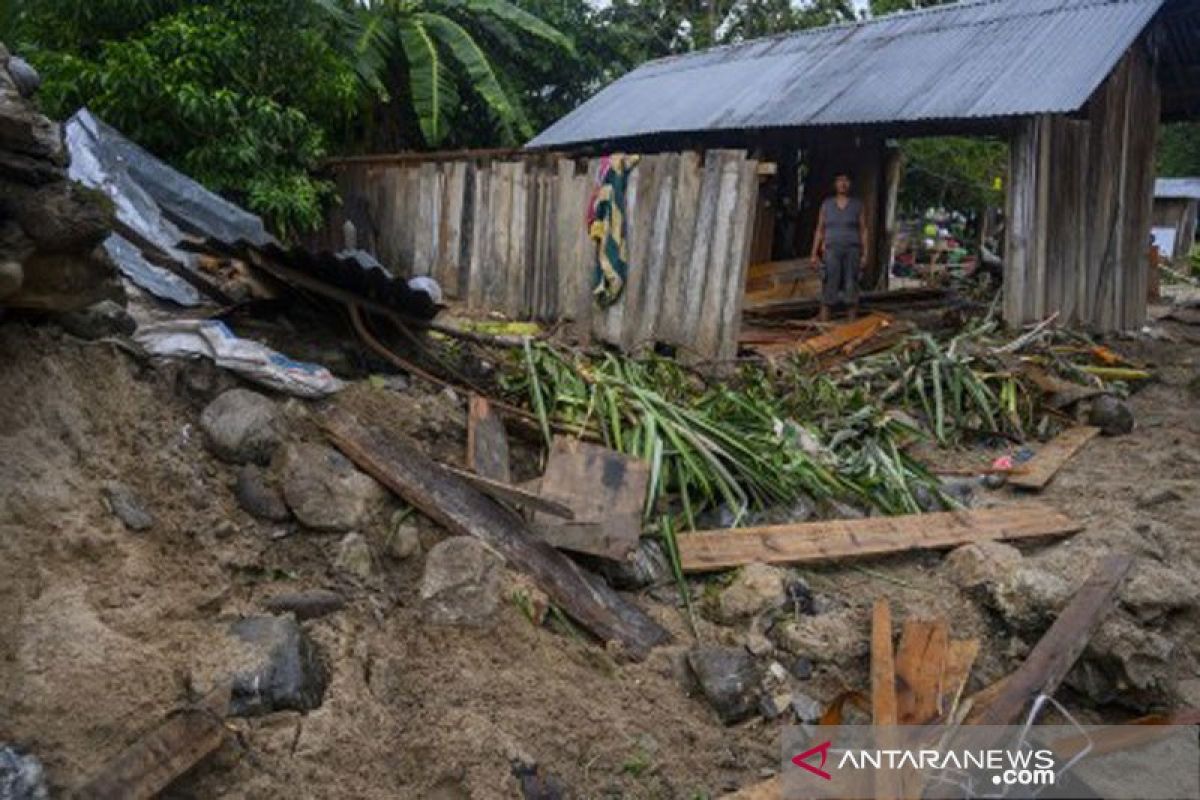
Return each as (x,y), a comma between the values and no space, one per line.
(605,489)
(1042,467)
(462,509)
(705,551)
(508,493)
(157,758)
(487,444)
(920,670)
(1056,652)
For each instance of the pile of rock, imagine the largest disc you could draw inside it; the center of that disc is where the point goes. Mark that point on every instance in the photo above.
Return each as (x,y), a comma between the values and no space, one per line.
(50,227)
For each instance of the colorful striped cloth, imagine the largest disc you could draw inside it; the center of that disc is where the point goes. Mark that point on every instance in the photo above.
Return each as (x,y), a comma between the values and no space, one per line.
(606,226)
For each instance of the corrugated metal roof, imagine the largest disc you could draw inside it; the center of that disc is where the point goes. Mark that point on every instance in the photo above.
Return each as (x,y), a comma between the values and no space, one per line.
(992,58)
(1187,188)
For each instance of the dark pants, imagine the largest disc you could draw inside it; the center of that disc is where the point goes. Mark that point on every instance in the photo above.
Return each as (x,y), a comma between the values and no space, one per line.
(839,276)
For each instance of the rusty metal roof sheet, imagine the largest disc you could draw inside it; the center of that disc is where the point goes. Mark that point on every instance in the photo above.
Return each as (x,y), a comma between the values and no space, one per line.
(990,58)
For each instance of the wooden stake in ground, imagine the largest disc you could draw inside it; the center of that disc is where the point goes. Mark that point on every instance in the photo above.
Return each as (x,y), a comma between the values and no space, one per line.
(802,542)
(460,508)
(151,763)
(1049,460)
(884,709)
(1056,652)
(487,444)
(920,670)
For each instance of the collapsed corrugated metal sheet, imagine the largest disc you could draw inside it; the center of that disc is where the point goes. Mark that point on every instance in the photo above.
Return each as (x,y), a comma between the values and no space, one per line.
(162,214)
(1177,188)
(993,58)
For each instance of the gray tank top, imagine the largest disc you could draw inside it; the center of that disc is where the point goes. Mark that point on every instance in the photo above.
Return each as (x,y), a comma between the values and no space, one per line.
(841,224)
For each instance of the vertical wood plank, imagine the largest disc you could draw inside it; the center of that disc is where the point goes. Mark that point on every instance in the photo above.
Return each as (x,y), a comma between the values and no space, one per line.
(426,229)
(451,228)
(496,292)
(481,237)
(670,324)
(697,266)
(641,231)
(734,292)
(657,255)
(517,267)
(708,327)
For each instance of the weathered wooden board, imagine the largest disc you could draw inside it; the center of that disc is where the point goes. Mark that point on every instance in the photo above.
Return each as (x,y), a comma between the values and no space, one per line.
(605,489)
(920,670)
(463,510)
(1051,457)
(835,539)
(1058,649)
(487,443)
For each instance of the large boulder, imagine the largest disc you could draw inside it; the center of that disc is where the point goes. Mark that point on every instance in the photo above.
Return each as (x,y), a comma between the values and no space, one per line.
(325,491)
(837,637)
(462,582)
(278,669)
(242,426)
(979,563)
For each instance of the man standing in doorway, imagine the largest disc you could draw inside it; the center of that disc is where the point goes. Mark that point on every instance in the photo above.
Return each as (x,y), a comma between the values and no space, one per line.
(841,238)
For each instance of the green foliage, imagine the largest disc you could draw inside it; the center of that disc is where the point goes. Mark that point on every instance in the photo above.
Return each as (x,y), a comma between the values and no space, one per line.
(881,7)
(1179,149)
(434,62)
(223,90)
(955,172)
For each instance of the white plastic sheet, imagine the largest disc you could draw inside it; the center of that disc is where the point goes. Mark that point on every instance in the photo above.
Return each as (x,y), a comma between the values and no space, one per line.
(250,359)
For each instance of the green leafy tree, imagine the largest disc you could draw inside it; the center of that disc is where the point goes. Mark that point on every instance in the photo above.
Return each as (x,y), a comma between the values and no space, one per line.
(880,7)
(241,94)
(957,172)
(432,62)
(1179,150)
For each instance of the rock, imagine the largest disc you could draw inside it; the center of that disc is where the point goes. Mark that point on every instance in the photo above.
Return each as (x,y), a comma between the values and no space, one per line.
(806,708)
(241,426)
(1111,415)
(309,604)
(127,507)
(279,669)
(960,490)
(404,541)
(839,637)
(536,783)
(1153,590)
(1125,663)
(758,645)
(1028,598)
(729,680)
(21,776)
(97,321)
(972,565)
(325,491)
(354,556)
(462,582)
(24,76)
(647,566)
(224,529)
(756,588)
(1158,496)
(800,599)
(774,704)
(994,480)
(258,497)
(802,668)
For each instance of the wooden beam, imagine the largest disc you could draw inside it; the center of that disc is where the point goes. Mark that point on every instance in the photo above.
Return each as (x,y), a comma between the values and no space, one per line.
(1056,652)
(487,444)
(884,708)
(803,542)
(461,509)
(920,670)
(149,765)
(1043,466)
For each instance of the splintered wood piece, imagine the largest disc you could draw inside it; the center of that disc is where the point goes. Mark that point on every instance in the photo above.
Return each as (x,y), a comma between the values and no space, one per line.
(884,709)
(959,660)
(920,669)
(463,510)
(605,489)
(1058,451)
(512,494)
(487,444)
(705,551)
(1056,652)
(157,758)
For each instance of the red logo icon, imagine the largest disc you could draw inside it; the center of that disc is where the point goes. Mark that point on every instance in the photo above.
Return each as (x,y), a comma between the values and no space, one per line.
(802,760)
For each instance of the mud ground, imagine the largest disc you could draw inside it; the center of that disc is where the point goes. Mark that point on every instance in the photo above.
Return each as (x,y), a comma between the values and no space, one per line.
(103,631)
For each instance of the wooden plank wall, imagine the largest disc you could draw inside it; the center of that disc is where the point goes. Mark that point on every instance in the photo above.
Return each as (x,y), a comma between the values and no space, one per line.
(1080,204)
(509,234)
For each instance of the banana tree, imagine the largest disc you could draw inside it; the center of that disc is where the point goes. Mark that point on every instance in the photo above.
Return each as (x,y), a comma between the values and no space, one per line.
(430,53)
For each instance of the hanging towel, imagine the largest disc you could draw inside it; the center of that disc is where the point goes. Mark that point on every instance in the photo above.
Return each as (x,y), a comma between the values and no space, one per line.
(606,226)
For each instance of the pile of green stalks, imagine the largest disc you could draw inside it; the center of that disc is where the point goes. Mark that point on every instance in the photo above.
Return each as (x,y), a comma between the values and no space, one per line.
(956,387)
(748,444)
